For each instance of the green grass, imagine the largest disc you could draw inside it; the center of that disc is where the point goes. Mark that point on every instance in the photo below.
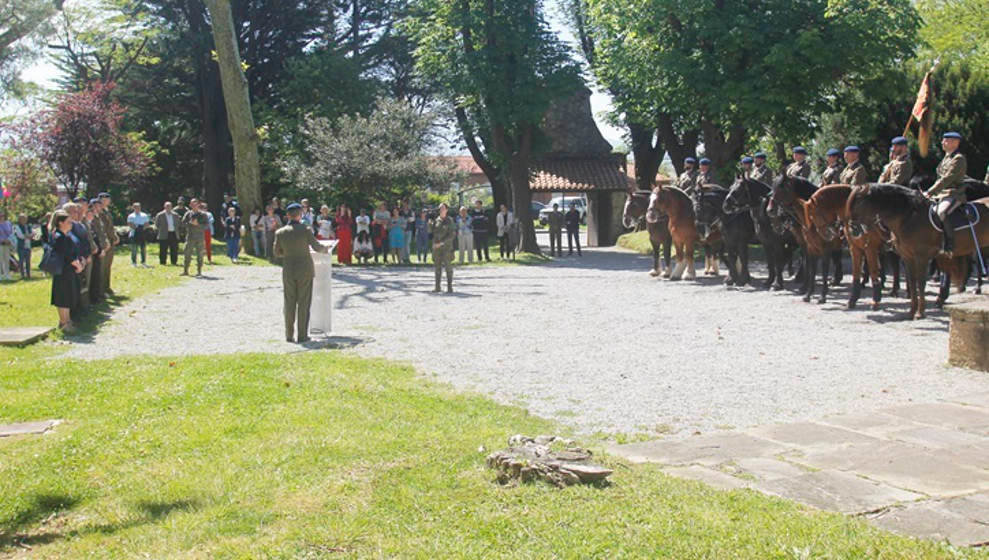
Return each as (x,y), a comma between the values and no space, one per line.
(321,455)
(637,241)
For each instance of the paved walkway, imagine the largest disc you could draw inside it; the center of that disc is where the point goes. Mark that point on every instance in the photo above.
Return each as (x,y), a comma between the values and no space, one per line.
(918,469)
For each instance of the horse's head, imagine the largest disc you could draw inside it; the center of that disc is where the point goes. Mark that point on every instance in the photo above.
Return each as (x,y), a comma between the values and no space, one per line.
(738,199)
(636,204)
(826,223)
(921,182)
(708,210)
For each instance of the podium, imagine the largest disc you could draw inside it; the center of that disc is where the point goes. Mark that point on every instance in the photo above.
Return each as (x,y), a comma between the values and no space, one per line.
(321,308)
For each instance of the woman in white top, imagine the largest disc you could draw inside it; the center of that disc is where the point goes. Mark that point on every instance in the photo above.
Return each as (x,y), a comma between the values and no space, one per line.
(324,224)
(504,221)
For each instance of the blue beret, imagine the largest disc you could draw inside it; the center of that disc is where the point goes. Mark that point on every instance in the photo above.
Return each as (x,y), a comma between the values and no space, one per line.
(94,201)
(705,161)
(800,150)
(954,135)
(747,159)
(898,141)
(104,195)
(689,160)
(79,199)
(294,206)
(852,149)
(760,155)
(833,152)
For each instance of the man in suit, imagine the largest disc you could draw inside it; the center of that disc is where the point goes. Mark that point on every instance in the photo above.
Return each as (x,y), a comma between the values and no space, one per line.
(948,192)
(292,244)
(572,219)
(555,220)
(854,174)
(167,225)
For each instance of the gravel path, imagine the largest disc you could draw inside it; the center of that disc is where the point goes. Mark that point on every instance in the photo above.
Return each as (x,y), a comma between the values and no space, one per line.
(594,342)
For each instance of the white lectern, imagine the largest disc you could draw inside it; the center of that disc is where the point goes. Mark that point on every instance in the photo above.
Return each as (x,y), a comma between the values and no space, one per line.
(321,309)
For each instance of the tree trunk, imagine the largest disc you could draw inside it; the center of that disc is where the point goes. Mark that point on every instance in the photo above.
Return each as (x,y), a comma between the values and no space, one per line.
(723,149)
(678,148)
(499,191)
(217,155)
(519,156)
(247,166)
(647,154)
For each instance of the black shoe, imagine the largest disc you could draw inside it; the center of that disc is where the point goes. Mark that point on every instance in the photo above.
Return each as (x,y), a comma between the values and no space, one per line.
(289,339)
(304,339)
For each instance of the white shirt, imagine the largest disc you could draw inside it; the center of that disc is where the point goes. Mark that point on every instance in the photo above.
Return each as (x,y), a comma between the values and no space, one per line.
(138,219)
(170,218)
(363,224)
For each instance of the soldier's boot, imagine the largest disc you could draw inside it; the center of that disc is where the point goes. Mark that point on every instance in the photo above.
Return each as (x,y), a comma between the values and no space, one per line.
(949,240)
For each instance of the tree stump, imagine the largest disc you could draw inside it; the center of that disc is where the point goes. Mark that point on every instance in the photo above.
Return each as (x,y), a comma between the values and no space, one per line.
(552,459)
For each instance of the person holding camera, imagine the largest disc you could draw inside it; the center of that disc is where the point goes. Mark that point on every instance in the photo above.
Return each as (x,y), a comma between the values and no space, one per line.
(137,221)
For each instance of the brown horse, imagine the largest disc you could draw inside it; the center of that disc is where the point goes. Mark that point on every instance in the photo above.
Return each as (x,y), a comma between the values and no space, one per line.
(827,210)
(905,213)
(657,224)
(683,230)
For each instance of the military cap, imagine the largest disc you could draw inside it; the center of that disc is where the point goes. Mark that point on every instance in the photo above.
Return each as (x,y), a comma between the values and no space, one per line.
(181,199)
(293,206)
(800,150)
(898,141)
(747,159)
(851,149)
(705,161)
(79,199)
(104,195)
(689,159)
(94,201)
(833,152)
(954,135)
(759,155)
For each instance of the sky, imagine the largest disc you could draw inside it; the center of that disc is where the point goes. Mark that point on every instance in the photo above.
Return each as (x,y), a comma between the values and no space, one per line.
(44,73)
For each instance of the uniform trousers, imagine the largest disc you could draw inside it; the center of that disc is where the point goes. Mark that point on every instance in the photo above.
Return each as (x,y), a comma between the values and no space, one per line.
(298,299)
(556,242)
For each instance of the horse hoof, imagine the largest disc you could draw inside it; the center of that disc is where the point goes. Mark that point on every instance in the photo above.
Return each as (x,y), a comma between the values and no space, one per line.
(875,306)
(667,275)
(918,316)
(978,291)
(729,282)
(851,305)
(894,293)
(777,288)
(822,301)
(653,273)
(806,298)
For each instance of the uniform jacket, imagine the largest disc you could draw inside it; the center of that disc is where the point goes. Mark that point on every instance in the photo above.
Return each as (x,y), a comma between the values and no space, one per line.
(100,236)
(898,171)
(161,224)
(831,175)
(555,220)
(196,223)
(111,233)
(762,173)
(854,174)
(687,180)
(704,178)
(444,231)
(950,174)
(798,169)
(292,243)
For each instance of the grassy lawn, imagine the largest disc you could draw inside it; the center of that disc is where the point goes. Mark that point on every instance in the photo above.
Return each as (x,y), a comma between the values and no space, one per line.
(637,241)
(321,455)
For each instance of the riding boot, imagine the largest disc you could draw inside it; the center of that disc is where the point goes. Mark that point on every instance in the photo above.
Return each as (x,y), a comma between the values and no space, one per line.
(949,241)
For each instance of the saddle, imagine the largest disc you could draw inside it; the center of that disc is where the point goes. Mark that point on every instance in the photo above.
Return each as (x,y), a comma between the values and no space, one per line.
(963,217)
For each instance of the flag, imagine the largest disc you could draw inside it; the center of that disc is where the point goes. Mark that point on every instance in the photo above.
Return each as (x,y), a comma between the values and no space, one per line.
(922,113)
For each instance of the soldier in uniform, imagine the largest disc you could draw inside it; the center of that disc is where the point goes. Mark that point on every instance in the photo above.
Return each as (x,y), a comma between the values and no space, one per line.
(102,240)
(800,167)
(292,244)
(854,173)
(555,220)
(832,173)
(113,238)
(899,170)
(196,222)
(948,191)
(747,167)
(688,179)
(705,176)
(444,230)
(760,171)
(180,210)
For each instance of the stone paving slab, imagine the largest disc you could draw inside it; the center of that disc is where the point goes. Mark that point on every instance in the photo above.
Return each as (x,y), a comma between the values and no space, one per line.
(875,424)
(765,468)
(955,521)
(711,477)
(948,415)
(704,450)
(811,435)
(25,428)
(838,491)
(974,399)
(22,336)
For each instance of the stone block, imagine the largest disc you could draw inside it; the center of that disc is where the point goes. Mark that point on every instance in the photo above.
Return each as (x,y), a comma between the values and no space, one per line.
(968,334)
(25,428)
(837,491)
(811,435)
(948,415)
(704,450)
(941,520)
(22,336)
(711,477)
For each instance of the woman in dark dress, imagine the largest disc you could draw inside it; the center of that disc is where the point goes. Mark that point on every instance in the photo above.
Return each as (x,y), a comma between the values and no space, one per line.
(65,284)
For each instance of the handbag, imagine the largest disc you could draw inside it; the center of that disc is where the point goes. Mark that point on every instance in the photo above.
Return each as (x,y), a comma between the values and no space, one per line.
(51,261)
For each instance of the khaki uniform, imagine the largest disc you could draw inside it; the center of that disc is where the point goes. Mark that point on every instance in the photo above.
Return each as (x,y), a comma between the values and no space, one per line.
(687,181)
(292,243)
(181,211)
(798,169)
(762,173)
(555,220)
(444,230)
(113,240)
(853,175)
(102,241)
(196,224)
(86,288)
(898,171)
(704,178)
(831,175)
(950,174)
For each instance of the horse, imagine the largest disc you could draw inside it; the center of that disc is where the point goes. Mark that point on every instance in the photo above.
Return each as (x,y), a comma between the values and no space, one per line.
(709,225)
(905,213)
(826,210)
(682,226)
(657,224)
(737,231)
(748,196)
(792,194)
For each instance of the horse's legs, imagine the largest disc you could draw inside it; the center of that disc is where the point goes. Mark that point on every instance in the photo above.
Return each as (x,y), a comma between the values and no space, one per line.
(838,274)
(667,247)
(853,297)
(681,262)
(744,272)
(689,255)
(894,262)
(919,289)
(733,276)
(810,274)
(655,259)
(826,269)
(945,288)
(872,259)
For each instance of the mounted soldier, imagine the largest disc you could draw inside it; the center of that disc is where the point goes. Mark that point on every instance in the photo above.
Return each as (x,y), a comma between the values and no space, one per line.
(854,174)
(688,179)
(800,167)
(760,171)
(832,172)
(948,192)
(747,167)
(705,176)
(899,170)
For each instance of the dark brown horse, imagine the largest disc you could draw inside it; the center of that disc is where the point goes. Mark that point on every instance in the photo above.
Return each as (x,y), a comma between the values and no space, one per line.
(683,230)
(657,224)
(905,213)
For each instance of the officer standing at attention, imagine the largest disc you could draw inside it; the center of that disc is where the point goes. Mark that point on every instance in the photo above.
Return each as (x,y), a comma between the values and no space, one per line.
(760,171)
(747,167)
(688,179)
(195,221)
(854,174)
(705,176)
(444,230)
(555,220)
(832,173)
(292,243)
(800,167)
(111,233)
(948,191)
(899,169)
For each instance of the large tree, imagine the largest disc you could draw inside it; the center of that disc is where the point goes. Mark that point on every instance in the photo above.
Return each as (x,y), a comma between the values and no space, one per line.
(19,21)
(497,61)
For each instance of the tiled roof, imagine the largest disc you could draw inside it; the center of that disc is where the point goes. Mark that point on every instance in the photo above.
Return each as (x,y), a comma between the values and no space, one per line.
(577,173)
